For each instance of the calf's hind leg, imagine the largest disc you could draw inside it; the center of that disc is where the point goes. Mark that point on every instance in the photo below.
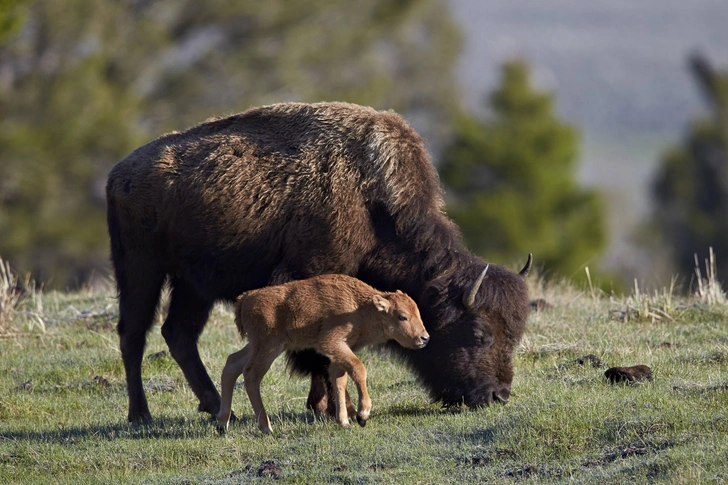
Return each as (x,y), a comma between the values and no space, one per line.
(255,369)
(233,368)
(338,380)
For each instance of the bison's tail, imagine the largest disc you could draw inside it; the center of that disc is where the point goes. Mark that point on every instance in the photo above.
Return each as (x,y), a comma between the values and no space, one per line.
(239,322)
(115,237)
(306,362)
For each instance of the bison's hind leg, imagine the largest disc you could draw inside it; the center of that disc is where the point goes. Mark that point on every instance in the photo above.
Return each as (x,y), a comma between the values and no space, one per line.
(188,313)
(139,291)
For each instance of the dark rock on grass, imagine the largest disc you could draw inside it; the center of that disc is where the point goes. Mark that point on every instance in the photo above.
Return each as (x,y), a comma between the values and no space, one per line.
(26,386)
(375,467)
(540,305)
(157,356)
(635,373)
(269,469)
(590,359)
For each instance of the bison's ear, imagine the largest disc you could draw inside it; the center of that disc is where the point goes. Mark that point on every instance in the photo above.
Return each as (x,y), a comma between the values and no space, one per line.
(381,303)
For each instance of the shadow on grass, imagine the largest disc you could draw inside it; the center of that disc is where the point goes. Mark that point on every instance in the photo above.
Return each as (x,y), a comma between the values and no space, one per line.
(420,411)
(164,427)
(158,428)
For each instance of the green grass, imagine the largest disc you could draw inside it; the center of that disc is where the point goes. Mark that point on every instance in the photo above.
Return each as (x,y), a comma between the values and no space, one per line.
(63,405)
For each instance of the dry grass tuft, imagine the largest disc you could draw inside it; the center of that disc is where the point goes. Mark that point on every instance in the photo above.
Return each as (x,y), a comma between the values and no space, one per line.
(709,290)
(644,306)
(10,295)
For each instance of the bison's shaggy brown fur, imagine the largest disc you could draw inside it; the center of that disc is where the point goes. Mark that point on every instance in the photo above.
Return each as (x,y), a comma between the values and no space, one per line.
(291,191)
(332,314)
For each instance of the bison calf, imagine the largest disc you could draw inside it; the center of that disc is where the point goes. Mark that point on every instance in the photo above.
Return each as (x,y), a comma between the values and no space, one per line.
(333,314)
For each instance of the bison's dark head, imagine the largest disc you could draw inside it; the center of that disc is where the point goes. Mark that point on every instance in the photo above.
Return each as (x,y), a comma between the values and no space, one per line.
(476,318)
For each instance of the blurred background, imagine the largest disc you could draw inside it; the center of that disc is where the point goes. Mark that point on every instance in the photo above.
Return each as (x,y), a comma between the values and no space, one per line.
(591,134)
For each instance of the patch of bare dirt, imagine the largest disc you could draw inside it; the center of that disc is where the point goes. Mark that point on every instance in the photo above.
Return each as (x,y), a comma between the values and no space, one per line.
(485,458)
(269,469)
(526,471)
(590,359)
(627,450)
(101,326)
(701,389)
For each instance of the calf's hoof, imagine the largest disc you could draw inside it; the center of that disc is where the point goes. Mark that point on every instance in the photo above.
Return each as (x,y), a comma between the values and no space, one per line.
(362,417)
(266,431)
(221,429)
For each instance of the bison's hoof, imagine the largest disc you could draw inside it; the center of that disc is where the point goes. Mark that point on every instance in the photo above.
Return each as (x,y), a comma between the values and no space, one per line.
(362,421)
(141,418)
(221,430)
(266,430)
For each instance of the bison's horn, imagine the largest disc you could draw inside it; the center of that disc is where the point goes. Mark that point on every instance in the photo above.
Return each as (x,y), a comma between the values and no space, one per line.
(469,297)
(527,268)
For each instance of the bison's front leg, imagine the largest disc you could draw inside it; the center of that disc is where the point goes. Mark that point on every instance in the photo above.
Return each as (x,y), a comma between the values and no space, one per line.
(321,397)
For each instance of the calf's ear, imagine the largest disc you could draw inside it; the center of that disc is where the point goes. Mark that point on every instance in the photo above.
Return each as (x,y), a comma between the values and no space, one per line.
(381,303)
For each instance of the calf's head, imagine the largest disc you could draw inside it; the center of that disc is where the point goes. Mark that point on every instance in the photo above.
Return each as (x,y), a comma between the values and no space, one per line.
(402,320)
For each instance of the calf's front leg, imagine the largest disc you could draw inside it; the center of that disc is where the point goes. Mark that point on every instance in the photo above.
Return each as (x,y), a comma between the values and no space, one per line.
(344,357)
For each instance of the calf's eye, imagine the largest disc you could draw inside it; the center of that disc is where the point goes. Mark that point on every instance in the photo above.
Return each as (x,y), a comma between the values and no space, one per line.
(403,318)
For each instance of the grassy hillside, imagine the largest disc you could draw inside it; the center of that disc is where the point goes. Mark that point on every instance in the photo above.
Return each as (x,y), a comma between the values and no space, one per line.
(63,404)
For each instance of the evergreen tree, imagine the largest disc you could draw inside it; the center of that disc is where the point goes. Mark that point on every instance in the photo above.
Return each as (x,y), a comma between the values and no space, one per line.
(10,17)
(84,82)
(691,187)
(510,182)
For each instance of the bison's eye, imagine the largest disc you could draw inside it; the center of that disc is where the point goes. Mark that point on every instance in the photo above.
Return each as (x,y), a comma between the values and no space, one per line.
(483,338)
(402,317)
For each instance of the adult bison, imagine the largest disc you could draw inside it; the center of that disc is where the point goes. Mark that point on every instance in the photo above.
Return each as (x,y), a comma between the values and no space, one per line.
(287,192)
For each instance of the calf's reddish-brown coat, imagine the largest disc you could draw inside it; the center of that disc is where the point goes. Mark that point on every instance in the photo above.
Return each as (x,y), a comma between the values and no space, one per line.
(332,314)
